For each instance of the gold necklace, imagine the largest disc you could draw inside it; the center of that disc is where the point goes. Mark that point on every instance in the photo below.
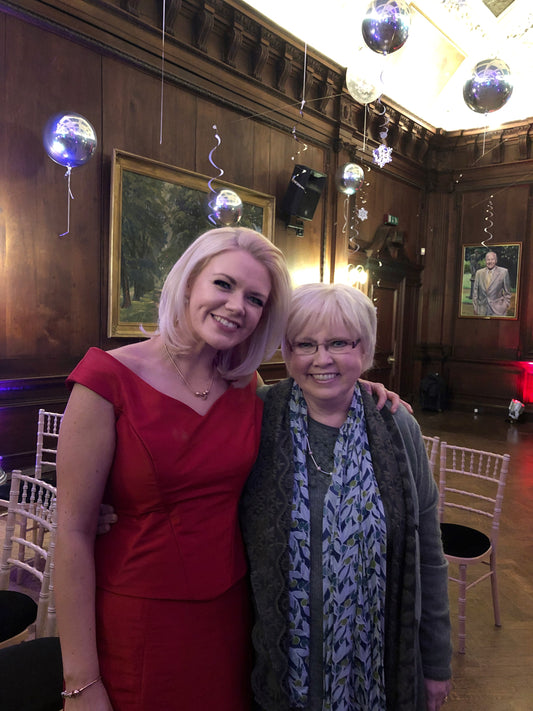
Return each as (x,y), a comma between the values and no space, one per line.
(197,393)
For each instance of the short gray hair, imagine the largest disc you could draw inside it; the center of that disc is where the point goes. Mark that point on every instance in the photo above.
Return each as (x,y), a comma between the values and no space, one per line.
(314,306)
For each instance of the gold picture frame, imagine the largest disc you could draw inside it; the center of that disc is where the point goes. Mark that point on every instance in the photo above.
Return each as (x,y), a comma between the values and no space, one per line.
(497,298)
(157,210)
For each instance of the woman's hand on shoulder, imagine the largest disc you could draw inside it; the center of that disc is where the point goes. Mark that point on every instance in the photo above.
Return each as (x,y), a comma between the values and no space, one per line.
(106,517)
(436,693)
(382,394)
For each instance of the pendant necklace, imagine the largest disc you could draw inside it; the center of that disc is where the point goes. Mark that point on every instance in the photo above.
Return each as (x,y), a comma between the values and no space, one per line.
(197,393)
(314,460)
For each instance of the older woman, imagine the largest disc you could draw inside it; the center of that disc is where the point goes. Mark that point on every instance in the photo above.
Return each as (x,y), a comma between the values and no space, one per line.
(339,519)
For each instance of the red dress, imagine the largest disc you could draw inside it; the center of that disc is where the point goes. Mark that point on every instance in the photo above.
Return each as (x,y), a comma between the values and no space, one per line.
(173,617)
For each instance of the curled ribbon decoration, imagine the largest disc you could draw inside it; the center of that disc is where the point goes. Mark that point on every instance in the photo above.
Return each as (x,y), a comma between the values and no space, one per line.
(353,245)
(489,214)
(70,197)
(384,126)
(352,242)
(298,140)
(210,217)
(382,154)
(346,211)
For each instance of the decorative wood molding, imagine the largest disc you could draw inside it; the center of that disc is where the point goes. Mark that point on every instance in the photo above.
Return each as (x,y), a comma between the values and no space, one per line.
(205,21)
(234,39)
(173,8)
(261,53)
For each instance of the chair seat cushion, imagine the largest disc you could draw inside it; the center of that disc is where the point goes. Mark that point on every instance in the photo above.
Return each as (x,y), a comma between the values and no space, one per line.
(463,541)
(32,676)
(17,611)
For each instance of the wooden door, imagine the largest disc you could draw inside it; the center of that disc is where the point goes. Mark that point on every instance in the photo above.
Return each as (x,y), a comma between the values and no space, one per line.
(388,294)
(394,290)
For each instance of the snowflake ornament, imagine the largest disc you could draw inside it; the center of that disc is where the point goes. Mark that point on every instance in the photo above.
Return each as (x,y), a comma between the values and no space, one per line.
(362,214)
(382,155)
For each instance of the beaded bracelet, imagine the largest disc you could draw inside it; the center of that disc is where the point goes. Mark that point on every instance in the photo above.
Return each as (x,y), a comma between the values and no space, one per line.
(76,692)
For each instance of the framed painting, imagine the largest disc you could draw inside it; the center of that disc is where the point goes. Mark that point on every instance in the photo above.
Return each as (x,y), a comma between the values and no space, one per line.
(490,277)
(157,210)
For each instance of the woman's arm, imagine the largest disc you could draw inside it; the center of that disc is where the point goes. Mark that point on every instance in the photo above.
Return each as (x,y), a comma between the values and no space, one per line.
(383,395)
(85,452)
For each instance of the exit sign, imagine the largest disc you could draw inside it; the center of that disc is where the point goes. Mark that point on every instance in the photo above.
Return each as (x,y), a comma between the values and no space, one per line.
(390,220)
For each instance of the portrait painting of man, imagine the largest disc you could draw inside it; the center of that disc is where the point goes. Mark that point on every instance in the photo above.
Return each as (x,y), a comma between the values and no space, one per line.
(489,284)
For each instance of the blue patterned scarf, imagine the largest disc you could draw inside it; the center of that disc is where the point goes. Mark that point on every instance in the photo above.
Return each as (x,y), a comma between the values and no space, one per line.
(354,566)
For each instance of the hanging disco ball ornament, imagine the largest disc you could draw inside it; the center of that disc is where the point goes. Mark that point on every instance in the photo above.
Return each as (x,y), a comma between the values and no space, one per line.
(490,86)
(69,139)
(226,208)
(349,178)
(386,25)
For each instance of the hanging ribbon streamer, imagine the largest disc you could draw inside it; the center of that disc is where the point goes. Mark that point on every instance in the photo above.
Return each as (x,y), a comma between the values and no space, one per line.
(489,214)
(211,216)
(382,154)
(353,245)
(358,214)
(302,104)
(362,212)
(70,197)
(163,23)
(346,211)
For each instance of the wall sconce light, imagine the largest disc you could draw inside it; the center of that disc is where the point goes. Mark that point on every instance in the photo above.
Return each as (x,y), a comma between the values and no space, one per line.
(356,275)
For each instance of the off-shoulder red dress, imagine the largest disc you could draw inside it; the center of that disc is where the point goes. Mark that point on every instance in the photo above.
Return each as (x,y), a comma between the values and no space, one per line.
(172,603)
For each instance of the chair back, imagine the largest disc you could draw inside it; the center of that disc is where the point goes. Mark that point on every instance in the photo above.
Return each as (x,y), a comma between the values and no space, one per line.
(471,485)
(48,424)
(30,541)
(432,449)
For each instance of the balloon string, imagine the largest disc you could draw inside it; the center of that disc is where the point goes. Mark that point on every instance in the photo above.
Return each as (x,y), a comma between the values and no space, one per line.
(162,71)
(211,204)
(70,197)
(484,135)
(304,78)
(302,104)
(488,218)
(364,129)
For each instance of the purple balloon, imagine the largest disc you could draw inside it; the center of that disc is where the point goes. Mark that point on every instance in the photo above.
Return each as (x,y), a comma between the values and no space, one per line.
(489,87)
(69,139)
(386,25)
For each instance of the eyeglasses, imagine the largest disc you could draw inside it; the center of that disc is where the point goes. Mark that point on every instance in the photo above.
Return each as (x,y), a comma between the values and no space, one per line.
(336,345)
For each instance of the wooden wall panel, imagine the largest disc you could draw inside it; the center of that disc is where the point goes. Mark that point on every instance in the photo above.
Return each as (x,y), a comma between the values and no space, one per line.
(54,282)
(481,363)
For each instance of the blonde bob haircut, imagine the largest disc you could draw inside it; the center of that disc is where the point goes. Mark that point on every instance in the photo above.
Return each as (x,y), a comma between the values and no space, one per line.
(173,325)
(317,306)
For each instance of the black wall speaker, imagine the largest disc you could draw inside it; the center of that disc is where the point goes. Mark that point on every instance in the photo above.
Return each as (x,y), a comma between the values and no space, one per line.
(304,191)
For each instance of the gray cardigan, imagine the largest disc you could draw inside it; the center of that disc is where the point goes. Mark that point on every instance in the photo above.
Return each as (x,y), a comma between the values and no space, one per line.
(417,625)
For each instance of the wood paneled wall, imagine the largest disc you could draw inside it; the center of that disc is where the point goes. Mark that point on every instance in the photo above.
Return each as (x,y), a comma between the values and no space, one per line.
(224,66)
